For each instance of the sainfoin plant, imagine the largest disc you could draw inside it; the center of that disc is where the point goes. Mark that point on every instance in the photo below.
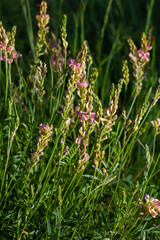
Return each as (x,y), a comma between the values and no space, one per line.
(69,165)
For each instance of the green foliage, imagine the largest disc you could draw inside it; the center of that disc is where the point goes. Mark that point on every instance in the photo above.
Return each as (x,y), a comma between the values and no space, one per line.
(77,151)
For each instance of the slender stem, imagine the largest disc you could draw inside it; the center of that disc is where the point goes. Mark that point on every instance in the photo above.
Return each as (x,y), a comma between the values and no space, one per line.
(82,23)
(8,150)
(6,68)
(52,82)
(153,169)
(133,102)
(149,16)
(154,144)
(60,213)
(103,29)
(90,189)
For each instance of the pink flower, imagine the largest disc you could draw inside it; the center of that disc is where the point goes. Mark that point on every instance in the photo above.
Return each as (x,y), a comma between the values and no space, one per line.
(14,55)
(2,58)
(9,60)
(86,116)
(66,150)
(92,115)
(145,57)
(148,47)
(82,84)
(75,66)
(78,140)
(2,45)
(132,57)
(152,206)
(86,157)
(10,48)
(140,53)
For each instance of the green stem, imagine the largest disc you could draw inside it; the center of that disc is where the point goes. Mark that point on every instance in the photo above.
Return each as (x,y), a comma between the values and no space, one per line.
(82,24)
(28,19)
(8,150)
(154,144)
(60,212)
(149,16)
(90,189)
(133,102)
(52,82)
(153,169)
(6,68)
(103,29)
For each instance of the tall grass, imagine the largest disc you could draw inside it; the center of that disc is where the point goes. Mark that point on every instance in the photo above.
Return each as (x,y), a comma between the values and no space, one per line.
(79,155)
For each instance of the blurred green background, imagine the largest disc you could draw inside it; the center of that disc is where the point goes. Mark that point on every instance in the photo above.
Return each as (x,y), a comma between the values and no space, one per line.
(126,19)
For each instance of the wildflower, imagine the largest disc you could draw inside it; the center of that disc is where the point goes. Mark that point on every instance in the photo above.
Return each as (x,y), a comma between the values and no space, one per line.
(143,54)
(66,150)
(77,67)
(10,53)
(45,133)
(82,84)
(152,206)
(125,71)
(139,58)
(43,18)
(2,58)
(9,60)
(83,116)
(10,48)
(156,125)
(39,77)
(78,140)
(2,45)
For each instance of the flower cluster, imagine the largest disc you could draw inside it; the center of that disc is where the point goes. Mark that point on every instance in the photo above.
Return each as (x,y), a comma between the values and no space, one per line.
(109,115)
(125,71)
(139,117)
(40,73)
(43,20)
(83,116)
(84,109)
(45,133)
(57,54)
(144,54)
(152,206)
(107,118)
(156,125)
(7,51)
(7,44)
(139,58)
(64,32)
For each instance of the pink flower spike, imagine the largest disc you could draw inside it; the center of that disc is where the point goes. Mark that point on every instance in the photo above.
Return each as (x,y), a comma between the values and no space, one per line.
(2,45)
(145,57)
(78,140)
(9,60)
(140,53)
(86,157)
(10,48)
(83,84)
(2,58)
(149,47)
(92,115)
(78,112)
(132,57)
(14,55)
(41,127)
